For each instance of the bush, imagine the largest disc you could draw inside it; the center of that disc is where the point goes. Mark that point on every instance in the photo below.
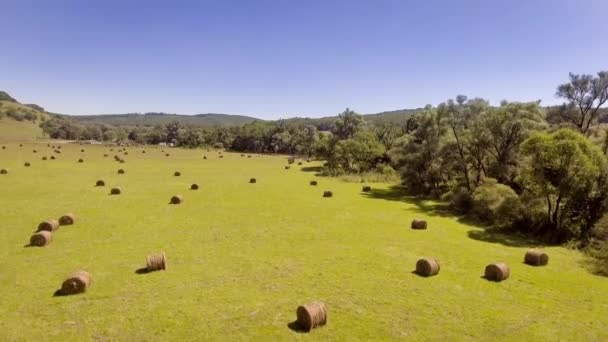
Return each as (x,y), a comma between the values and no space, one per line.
(496,203)
(460,200)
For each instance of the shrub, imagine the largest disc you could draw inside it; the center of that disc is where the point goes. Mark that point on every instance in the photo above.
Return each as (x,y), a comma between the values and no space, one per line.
(496,203)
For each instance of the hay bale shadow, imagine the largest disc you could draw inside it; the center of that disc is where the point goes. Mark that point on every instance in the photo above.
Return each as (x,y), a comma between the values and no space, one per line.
(143,270)
(420,275)
(295,327)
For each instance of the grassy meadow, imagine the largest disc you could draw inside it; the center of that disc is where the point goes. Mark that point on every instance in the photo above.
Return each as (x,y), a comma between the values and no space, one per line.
(242,257)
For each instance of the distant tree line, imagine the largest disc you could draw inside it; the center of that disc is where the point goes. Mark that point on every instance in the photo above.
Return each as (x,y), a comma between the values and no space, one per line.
(517,165)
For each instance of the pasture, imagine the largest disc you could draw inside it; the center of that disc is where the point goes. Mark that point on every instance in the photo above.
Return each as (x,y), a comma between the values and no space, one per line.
(242,256)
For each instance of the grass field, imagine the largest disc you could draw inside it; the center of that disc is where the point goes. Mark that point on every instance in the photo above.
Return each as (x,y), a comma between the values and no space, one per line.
(242,257)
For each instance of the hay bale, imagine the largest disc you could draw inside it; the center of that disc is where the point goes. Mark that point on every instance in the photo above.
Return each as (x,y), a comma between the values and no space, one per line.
(122,161)
(80,160)
(328,193)
(49,225)
(291,160)
(41,238)
(497,272)
(81,150)
(221,156)
(366,188)
(78,282)
(4,147)
(194,186)
(126,153)
(34,151)
(299,163)
(313,183)
(248,156)
(100,183)
(252,181)
(427,267)
(167,154)
(204,157)
(287,167)
(419,224)
(116,191)
(105,155)
(3,172)
(27,164)
(177,199)
(52,157)
(311,315)
(121,171)
(177,174)
(67,220)
(156,262)
(536,258)
(44,158)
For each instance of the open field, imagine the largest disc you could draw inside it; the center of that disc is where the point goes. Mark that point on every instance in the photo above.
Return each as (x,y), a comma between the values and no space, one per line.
(242,257)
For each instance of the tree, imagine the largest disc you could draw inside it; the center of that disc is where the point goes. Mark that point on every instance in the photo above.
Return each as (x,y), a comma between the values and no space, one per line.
(359,153)
(585,95)
(571,174)
(347,124)
(172,129)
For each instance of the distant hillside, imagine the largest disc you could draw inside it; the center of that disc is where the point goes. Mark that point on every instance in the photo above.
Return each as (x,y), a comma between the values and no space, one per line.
(153,119)
(19,122)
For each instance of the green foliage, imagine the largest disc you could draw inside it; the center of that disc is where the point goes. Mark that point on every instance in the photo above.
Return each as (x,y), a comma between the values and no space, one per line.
(585,95)
(496,203)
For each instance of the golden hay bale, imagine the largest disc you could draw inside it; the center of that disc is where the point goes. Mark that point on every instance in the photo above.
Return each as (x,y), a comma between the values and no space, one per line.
(248,156)
(49,225)
(313,183)
(35,151)
(143,152)
(418,224)
(116,191)
(80,160)
(221,157)
(78,282)
(204,157)
(4,147)
(122,161)
(287,167)
(299,163)
(291,160)
(41,238)
(100,183)
(3,172)
(497,272)
(105,155)
(177,199)
(252,181)
(156,262)
(44,158)
(26,164)
(121,171)
(427,267)
(177,174)
(536,258)
(366,188)
(167,154)
(311,315)
(194,186)
(67,219)
(52,157)
(81,150)
(328,193)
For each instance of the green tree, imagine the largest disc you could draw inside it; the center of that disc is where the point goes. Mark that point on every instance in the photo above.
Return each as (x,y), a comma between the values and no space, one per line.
(585,95)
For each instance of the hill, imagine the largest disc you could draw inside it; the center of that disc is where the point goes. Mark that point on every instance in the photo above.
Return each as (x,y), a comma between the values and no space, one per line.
(153,119)
(19,122)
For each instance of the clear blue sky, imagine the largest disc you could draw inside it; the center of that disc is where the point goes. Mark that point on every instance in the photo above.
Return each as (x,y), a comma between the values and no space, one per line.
(277,58)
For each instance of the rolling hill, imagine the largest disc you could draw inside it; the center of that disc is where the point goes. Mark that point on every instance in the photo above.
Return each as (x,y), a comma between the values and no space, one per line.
(18,121)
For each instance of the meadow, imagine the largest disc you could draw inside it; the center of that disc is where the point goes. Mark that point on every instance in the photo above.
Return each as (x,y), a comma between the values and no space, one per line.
(242,257)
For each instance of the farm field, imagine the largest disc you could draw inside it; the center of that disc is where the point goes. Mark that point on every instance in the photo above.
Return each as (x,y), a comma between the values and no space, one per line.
(241,257)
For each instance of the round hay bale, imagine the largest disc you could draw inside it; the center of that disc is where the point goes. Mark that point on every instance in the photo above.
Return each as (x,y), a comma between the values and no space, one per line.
(4,147)
(126,153)
(3,172)
(100,183)
(204,157)
(52,157)
(78,282)
(313,183)
(248,156)
(80,160)
(194,186)
(252,181)
(44,158)
(497,272)
(143,152)
(49,225)
(427,267)
(121,171)
(221,156)
(419,224)
(536,258)
(328,193)
(41,238)
(20,145)
(366,188)
(167,154)
(122,161)
(287,167)
(156,262)
(311,315)
(177,174)
(177,199)
(27,164)
(105,155)
(57,151)
(116,191)
(299,163)
(82,150)
(291,160)
(34,151)
(67,220)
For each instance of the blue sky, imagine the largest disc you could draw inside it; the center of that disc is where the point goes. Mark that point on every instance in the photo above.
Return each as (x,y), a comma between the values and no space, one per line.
(274,59)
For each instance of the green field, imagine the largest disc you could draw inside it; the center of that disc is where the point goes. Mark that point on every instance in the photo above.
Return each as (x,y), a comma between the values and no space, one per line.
(242,257)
